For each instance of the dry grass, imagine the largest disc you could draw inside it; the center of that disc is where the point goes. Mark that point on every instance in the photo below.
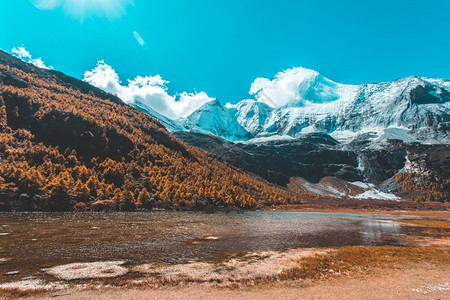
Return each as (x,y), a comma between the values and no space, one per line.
(242,269)
(362,259)
(427,223)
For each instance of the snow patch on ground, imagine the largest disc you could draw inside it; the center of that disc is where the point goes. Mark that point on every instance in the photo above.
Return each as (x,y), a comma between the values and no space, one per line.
(3,260)
(361,184)
(313,188)
(94,270)
(396,133)
(268,139)
(332,189)
(375,194)
(344,136)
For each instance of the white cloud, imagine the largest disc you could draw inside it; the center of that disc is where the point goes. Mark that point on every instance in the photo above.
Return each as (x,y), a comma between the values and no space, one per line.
(286,86)
(24,55)
(21,53)
(189,102)
(39,63)
(150,90)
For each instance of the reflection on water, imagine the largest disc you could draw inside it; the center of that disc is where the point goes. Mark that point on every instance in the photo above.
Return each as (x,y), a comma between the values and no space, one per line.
(380,230)
(29,242)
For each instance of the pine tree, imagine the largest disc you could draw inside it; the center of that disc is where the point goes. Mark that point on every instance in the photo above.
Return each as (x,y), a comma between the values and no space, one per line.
(3,118)
(143,199)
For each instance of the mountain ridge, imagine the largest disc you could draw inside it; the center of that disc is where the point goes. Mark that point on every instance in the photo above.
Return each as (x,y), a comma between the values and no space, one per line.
(321,105)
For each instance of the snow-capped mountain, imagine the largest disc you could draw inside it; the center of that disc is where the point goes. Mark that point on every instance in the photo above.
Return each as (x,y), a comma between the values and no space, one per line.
(409,103)
(334,140)
(251,114)
(419,107)
(213,118)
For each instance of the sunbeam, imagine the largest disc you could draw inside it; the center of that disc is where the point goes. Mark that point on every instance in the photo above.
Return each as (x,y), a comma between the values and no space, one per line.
(82,9)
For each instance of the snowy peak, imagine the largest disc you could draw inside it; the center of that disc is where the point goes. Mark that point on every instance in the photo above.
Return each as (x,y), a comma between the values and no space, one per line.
(213,118)
(425,92)
(317,89)
(322,105)
(297,87)
(252,115)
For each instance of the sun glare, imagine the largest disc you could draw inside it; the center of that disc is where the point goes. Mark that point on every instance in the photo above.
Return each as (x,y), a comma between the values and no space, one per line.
(82,9)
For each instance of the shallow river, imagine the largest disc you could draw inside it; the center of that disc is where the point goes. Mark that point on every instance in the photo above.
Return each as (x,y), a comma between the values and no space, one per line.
(31,241)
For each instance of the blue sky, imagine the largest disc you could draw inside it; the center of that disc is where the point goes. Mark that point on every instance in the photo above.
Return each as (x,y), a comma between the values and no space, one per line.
(221,47)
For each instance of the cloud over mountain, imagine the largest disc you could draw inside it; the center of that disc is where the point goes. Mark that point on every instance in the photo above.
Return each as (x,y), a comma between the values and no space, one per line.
(150,90)
(24,55)
(284,88)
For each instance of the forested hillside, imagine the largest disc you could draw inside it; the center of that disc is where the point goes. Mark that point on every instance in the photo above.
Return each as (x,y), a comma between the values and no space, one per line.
(66,145)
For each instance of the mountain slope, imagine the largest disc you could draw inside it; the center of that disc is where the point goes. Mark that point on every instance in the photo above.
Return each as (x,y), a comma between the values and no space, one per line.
(407,170)
(65,144)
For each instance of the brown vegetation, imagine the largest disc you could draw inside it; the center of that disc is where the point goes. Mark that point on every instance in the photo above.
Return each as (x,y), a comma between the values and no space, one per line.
(425,223)
(422,187)
(361,259)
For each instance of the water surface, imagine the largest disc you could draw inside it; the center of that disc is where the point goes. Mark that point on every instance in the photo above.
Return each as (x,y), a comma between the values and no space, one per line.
(31,241)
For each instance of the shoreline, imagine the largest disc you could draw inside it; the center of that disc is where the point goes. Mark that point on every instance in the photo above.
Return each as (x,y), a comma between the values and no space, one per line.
(301,208)
(279,208)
